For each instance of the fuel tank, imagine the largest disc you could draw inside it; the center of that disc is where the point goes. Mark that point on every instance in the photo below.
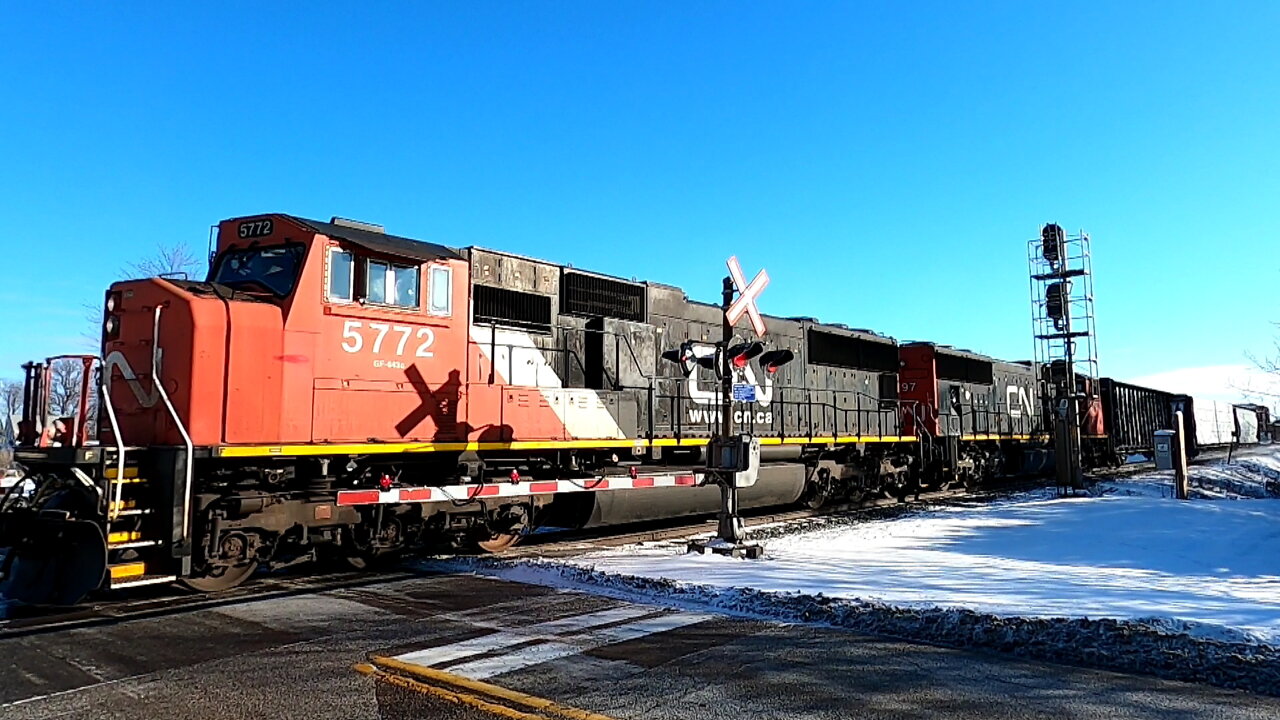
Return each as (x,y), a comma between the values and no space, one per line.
(778,484)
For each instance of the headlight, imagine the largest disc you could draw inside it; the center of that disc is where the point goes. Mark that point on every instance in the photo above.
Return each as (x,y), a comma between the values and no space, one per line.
(111,328)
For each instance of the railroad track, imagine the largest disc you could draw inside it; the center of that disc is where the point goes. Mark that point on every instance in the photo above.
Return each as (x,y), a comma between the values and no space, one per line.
(158,601)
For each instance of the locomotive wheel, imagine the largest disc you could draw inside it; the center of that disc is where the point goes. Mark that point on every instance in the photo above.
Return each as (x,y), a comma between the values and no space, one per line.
(498,542)
(378,551)
(224,575)
(359,560)
(505,529)
(222,578)
(818,490)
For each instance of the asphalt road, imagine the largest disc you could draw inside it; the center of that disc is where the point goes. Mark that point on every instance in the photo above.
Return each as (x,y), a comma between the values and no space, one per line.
(292,657)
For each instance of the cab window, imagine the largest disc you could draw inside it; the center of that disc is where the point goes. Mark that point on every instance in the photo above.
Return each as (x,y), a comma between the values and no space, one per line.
(395,285)
(341,275)
(440,289)
(272,268)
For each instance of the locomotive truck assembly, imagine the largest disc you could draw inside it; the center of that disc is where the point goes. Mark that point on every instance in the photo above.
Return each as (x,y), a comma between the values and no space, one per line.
(334,391)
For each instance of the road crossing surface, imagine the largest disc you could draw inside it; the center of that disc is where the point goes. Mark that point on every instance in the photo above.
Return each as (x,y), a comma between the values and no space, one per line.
(293,657)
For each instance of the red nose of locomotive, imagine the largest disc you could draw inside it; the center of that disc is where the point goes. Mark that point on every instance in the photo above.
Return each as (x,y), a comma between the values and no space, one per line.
(160,347)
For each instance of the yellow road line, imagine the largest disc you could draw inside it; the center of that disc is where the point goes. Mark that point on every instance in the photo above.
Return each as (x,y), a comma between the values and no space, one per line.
(460,685)
(446,695)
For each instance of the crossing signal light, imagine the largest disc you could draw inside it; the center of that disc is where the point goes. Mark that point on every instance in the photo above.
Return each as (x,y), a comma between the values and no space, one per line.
(740,355)
(686,358)
(775,359)
(682,356)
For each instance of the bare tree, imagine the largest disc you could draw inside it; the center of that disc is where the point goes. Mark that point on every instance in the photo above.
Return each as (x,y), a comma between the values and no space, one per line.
(11,397)
(168,260)
(64,387)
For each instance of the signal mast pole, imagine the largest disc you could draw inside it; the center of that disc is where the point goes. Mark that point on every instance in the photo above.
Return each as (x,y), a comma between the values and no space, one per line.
(730,527)
(733,460)
(1063,325)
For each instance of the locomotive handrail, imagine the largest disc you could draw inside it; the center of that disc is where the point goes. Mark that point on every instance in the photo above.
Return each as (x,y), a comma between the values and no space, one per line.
(861,413)
(186,438)
(113,507)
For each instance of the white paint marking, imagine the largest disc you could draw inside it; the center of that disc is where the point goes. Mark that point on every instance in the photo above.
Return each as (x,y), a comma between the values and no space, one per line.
(541,631)
(543,652)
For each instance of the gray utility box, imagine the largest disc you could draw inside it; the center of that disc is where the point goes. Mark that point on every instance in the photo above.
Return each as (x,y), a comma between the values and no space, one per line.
(738,455)
(1166,444)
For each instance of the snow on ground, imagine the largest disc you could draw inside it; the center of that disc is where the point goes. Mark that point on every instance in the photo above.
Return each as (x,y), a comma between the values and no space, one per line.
(1209,567)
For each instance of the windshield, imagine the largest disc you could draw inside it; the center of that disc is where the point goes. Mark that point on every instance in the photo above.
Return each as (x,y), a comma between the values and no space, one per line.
(273,268)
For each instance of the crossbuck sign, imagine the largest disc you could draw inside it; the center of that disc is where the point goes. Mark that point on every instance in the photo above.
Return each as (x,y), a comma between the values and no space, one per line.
(747,294)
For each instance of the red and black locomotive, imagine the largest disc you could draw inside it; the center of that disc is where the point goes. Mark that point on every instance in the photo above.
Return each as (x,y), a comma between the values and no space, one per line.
(333,390)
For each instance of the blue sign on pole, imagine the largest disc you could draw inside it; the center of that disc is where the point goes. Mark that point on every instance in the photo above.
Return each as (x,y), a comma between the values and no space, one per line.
(744,392)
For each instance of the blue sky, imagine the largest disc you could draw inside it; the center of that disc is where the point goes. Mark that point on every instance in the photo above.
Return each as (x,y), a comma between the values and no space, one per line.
(885,161)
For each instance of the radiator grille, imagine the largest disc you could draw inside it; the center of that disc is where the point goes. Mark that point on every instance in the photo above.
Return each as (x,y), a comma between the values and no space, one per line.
(494,305)
(850,352)
(594,296)
(964,369)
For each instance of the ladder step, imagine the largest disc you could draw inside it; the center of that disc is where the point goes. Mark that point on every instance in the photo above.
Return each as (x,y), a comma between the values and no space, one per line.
(133,544)
(129,473)
(134,511)
(142,580)
(125,571)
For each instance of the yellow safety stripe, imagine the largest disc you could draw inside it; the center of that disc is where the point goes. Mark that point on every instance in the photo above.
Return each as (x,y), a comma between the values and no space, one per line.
(443,681)
(128,570)
(123,505)
(123,536)
(230,451)
(129,472)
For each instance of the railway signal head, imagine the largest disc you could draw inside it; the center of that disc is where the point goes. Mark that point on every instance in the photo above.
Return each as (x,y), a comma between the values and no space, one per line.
(740,355)
(1053,243)
(775,359)
(1057,295)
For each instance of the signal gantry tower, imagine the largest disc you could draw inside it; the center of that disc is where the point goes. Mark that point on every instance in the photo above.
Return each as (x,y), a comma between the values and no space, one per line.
(1066,350)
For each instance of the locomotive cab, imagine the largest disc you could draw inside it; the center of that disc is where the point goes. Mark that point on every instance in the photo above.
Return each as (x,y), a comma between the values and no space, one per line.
(304,332)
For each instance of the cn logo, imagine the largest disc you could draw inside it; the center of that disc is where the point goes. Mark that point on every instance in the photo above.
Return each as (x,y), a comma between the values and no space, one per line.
(118,361)
(745,375)
(1019,401)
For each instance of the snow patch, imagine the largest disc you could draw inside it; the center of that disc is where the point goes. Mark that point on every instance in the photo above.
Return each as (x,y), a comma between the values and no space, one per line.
(1123,577)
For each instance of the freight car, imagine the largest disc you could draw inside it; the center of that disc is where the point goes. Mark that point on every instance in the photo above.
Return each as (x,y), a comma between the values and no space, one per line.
(1130,416)
(334,390)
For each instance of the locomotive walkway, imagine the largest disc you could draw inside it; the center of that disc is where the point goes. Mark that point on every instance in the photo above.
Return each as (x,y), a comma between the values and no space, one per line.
(517,648)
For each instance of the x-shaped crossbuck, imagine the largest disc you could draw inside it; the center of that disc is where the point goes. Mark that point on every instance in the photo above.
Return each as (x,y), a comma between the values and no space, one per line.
(747,294)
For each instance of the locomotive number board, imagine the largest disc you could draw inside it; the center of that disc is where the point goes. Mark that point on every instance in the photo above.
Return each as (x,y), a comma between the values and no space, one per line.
(255,229)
